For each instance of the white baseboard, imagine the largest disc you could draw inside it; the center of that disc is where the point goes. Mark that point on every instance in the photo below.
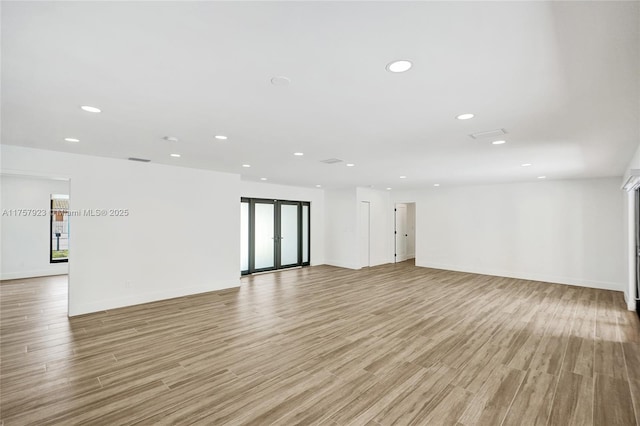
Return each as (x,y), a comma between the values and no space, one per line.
(34,274)
(342,264)
(138,299)
(631,302)
(603,285)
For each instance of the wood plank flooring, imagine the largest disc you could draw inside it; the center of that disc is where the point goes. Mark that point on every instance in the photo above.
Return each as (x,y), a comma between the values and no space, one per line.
(393,344)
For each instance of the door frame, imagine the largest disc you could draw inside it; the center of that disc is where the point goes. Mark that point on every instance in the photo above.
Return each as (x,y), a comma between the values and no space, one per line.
(636,221)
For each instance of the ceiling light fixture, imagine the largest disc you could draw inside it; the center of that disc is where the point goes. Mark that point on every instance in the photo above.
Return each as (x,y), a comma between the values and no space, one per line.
(399,66)
(72,140)
(498,142)
(465,116)
(298,154)
(175,155)
(318,186)
(350,164)
(526,164)
(436,184)
(263,178)
(90,108)
(542,177)
(221,137)
(403,177)
(388,189)
(246,165)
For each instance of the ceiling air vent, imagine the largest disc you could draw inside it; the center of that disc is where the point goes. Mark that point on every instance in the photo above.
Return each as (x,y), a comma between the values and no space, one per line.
(488,134)
(331,161)
(142,160)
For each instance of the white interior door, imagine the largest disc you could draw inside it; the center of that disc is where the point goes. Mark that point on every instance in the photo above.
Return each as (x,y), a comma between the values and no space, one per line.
(401,232)
(365,234)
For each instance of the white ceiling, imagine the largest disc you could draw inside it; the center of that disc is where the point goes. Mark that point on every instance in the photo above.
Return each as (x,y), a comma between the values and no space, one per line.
(562,78)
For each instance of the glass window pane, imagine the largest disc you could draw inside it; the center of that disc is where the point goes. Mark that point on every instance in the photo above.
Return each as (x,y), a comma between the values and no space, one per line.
(59,228)
(288,234)
(244,236)
(305,234)
(264,236)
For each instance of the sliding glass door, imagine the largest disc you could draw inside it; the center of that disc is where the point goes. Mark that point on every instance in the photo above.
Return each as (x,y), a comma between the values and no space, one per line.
(275,234)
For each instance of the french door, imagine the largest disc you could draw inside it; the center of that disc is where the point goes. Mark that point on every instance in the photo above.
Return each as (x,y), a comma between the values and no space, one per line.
(275,234)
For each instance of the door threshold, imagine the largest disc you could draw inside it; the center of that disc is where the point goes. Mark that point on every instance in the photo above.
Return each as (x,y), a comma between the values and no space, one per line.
(275,270)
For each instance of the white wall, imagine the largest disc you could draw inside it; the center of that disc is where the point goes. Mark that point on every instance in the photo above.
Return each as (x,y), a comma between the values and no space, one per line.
(411,230)
(181,236)
(630,232)
(25,239)
(341,225)
(380,215)
(295,193)
(557,231)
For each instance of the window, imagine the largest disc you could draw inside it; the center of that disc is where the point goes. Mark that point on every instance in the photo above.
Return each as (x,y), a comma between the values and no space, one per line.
(59,229)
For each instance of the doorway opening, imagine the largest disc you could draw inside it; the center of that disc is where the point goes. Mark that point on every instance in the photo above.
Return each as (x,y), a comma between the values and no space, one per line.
(404,232)
(35,228)
(274,234)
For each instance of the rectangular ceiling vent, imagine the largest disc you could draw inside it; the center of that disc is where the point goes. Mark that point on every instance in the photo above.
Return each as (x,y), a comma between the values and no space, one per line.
(488,134)
(142,160)
(331,161)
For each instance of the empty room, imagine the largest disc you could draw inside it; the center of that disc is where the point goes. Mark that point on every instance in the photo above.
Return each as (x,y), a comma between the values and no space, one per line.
(320,213)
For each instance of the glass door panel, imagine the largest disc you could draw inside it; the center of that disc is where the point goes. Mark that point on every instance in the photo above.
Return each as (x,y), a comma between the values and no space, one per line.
(305,233)
(264,236)
(289,238)
(244,236)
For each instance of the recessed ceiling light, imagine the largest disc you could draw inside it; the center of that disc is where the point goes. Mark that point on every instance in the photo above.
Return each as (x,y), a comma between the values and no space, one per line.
(436,184)
(526,164)
(281,81)
(221,137)
(498,142)
(465,116)
(542,177)
(246,165)
(72,140)
(175,155)
(388,189)
(399,66)
(263,178)
(350,164)
(403,177)
(90,108)
(318,186)
(298,154)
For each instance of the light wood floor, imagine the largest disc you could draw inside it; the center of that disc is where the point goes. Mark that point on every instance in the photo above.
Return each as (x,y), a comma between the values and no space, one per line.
(393,344)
